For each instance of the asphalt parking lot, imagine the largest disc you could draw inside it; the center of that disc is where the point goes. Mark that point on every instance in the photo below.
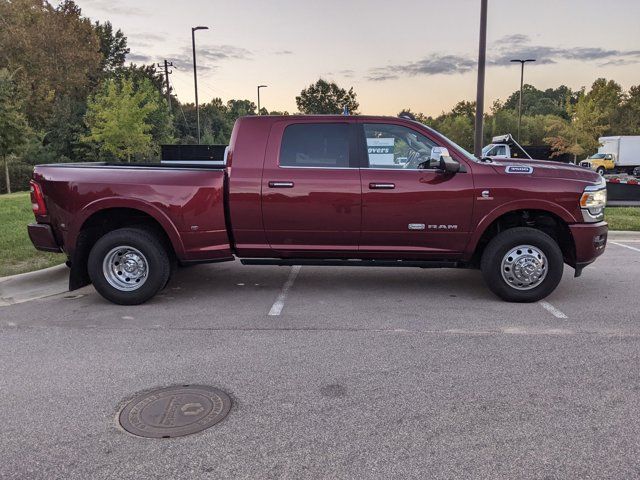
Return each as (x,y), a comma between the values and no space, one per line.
(356,373)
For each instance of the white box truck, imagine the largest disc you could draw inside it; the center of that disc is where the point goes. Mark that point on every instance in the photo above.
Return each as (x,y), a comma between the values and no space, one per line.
(619,154)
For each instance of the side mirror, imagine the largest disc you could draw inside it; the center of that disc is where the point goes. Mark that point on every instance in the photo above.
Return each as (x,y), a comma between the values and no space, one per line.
(441,160)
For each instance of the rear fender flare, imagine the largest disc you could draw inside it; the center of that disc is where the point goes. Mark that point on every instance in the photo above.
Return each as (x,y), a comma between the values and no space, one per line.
(131,203)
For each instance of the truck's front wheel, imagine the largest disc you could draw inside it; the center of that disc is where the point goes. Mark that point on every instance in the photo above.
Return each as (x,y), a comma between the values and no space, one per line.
(129,266)
(522,265)
(600,171)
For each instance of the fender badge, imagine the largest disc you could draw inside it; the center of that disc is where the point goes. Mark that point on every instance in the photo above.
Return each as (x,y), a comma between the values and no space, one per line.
(518,169)
(485,195)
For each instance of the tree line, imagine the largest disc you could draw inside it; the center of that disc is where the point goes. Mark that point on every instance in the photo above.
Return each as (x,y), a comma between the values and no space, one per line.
(67,94)
(569,121)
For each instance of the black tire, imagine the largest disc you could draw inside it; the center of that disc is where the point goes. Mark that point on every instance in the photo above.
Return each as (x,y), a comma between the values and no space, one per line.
(157,260)
(600,171)
(496,251)
(173,268)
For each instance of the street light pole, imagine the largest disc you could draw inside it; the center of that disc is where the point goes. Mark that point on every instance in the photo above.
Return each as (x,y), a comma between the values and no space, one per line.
(482,54)
(195,75)
(522,62)
(259,87)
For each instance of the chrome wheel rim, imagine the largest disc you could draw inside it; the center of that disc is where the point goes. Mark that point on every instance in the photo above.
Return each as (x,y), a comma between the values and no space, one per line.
(125,268)
(524,267)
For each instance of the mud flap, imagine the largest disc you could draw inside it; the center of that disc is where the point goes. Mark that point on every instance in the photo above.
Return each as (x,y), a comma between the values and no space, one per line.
(79,275)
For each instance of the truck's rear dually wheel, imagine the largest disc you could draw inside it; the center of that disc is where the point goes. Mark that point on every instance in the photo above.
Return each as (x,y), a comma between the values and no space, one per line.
(128,266)
(522,265)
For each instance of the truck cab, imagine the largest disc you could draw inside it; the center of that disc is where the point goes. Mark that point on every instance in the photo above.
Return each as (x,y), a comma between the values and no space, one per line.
(504,146)
(600,162)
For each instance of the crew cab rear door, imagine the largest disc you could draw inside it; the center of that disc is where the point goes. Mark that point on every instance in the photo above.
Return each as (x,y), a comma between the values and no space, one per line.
(405,208)
(311,194)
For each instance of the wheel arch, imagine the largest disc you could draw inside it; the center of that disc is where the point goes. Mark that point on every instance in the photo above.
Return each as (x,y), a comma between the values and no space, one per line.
(552,221)
(99,218)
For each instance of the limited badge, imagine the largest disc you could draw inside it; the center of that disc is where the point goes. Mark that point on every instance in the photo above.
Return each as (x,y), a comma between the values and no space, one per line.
(518,169)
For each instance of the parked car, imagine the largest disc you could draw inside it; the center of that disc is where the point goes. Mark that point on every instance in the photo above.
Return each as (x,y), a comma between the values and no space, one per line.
(322,190)
(619,154)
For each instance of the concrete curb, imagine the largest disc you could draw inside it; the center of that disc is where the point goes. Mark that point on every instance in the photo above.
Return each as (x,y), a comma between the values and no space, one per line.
(623,234)
(33,285)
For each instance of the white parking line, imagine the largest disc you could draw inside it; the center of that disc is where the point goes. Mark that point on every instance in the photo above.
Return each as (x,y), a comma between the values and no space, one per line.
(553,310)
(278,305)
(625,246)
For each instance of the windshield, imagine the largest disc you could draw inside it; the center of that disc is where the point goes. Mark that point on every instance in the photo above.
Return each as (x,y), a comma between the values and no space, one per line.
(486,149)
(597,156)
(469,156)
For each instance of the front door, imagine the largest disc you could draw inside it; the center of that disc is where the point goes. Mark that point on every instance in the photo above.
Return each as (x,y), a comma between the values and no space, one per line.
(409,210)
(311,196)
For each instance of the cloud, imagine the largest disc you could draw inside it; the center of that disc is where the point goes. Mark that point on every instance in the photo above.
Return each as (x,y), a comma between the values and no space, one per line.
(515,39)
(114,7)
(209,55)
(150,36)
(500,53)
(139,58)
(348,73)
(146,39)
(433,65)
(519,46)
(283,52)
(618,62)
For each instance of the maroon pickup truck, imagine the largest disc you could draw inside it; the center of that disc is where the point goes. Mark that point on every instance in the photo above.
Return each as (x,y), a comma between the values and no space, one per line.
(322,190)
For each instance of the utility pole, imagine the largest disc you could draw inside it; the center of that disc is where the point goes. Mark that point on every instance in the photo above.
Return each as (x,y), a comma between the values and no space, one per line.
(195,75)
(166,80)
(259,87)
(522,62)
(482,55)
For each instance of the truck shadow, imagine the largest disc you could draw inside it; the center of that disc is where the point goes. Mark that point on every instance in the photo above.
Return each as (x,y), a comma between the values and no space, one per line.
(224,279)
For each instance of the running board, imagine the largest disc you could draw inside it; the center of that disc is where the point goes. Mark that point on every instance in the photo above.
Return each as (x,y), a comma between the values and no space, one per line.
(351,263)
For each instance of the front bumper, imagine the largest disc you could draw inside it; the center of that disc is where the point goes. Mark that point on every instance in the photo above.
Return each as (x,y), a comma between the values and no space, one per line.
(590,240)
(42,237)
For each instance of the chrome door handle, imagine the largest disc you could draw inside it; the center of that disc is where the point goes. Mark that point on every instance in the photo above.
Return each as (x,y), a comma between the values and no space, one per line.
(382,186)
(280,184)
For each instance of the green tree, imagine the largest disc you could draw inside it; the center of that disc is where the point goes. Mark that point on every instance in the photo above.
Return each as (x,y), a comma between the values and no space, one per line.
(627,121)
(13,122)
(564,137)
(553,101)
(594,113)
(323,97)
(458,128)
(118,118)
(113,46)
(53,50)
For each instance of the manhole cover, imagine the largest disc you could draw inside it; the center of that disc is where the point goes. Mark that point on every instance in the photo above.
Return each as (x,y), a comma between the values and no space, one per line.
(175,411)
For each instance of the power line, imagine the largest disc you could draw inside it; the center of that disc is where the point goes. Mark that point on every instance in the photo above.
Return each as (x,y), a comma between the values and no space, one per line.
(183,115)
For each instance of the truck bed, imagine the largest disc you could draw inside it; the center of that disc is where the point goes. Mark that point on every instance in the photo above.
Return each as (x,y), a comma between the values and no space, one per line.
(187,201)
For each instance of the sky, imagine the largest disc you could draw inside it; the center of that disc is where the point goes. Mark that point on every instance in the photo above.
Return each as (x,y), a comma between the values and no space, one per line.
(418,54)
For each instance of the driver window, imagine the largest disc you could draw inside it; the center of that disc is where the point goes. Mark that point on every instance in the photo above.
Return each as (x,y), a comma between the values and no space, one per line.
(395,146)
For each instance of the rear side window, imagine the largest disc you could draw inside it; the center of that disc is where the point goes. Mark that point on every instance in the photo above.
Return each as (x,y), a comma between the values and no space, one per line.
(315,145)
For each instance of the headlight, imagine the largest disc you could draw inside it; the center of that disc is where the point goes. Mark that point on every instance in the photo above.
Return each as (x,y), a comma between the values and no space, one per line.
(593,201)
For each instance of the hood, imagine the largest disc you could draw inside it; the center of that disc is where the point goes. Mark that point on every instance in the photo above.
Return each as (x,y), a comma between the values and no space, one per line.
(545,168)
